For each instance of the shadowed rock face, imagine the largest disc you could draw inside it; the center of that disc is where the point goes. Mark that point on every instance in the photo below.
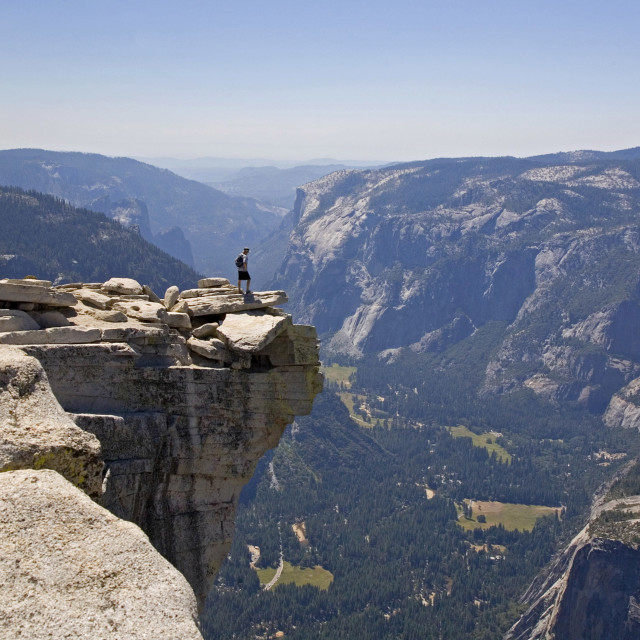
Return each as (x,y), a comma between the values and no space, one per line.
(592,589)
(603,593)
(181,433)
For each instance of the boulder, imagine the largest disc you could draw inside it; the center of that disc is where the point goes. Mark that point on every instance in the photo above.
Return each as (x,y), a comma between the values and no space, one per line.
(142,310)
(36,433)
(213,349)
(207,330)
(93,298)
(178,320)
(71,569)
(234,302)
(180,307)
(171,296)
(298,345)
(36,294)
(250,332)
(15,320)
(122,286)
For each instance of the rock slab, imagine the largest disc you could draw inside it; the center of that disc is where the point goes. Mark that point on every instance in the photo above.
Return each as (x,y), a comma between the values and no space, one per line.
(250,332)
(71,569)
(36,294)
(35,432)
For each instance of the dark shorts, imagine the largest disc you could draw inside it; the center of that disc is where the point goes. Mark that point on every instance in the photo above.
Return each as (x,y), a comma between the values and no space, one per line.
(243,275)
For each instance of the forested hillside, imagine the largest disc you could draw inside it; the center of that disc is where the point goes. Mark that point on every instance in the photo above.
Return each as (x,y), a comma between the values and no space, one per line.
(170,208)
(424,534)
(47,237)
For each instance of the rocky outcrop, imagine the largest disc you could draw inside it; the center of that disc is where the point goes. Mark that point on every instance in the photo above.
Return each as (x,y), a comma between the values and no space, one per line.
(71,569)
(624,408)
(181,420)
(36,433)
(592,589)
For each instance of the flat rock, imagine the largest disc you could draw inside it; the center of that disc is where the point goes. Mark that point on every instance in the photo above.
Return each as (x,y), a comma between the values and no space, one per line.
(79,285)
(15,320)
(123,286)
(171,296)
(31,281)
(178,320)
(234,302)
(207,330)
(142,310)
(54,335)
(210,291)
(71,569)
(93,298)
(212,349)
(206,283)
(108,315)
(36,294)
(250,332)
(35,432)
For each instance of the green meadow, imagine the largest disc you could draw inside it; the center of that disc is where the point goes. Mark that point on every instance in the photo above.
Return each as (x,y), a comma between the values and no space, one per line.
(485,440)
(316,577)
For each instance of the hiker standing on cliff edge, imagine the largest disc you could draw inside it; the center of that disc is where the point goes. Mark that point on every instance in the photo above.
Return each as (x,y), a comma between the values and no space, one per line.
(242,262)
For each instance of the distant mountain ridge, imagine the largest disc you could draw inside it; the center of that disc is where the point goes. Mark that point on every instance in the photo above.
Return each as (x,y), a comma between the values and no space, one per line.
(46,237)
(183,215)
(272,184)
(419,256)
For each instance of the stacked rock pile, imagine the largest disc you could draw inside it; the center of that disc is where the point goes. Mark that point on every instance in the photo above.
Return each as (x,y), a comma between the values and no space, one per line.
(213,323)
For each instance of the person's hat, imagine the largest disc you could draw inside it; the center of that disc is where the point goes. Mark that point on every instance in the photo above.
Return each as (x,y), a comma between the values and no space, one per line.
(246,249)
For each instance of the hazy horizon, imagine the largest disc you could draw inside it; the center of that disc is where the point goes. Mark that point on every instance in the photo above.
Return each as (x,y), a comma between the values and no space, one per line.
(288,81)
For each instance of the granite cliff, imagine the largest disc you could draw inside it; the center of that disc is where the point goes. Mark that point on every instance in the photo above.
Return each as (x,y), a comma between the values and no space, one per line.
(159,410)
(421,256)
(592,588)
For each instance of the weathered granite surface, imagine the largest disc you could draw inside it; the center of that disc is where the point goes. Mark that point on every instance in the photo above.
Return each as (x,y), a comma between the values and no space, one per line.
(71,569)
(36,433)
(180,433)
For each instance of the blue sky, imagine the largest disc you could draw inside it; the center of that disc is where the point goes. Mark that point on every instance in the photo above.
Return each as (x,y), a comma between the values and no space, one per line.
(394,80)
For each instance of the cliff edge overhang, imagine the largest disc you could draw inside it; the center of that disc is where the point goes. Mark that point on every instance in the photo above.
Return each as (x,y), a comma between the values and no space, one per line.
(159,409)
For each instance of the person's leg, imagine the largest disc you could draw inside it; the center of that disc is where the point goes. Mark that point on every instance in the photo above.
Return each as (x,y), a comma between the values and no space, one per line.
(248,287)
(239,287)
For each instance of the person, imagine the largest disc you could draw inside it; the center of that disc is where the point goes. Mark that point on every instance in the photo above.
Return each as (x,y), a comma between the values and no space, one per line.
(243,271)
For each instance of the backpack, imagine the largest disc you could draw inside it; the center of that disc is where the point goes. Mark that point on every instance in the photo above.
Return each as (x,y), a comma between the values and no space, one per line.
(240,260)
